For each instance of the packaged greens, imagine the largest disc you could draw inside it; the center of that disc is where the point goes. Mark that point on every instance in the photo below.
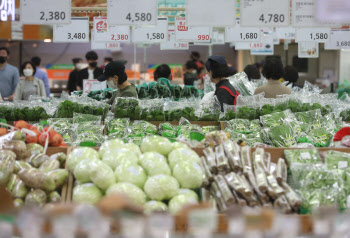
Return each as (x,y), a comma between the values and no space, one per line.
(280,136)
(241,83)
(152,110)
(337,160)
(67,108)
(245,112)
(168,130)
(305,156)
(117,128)
(23,110)
(320,137)
(82,118)
(176,110)
(208,129)
(232,151)
(143,127)
(239,125)
(63,126)
(277,118)
(88,132)
(229,113)
(313,117)
(126,108)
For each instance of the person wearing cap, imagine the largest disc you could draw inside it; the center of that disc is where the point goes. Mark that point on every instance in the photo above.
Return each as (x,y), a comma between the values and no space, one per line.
(115,75)
(163,75)
(273,71)
(218,71)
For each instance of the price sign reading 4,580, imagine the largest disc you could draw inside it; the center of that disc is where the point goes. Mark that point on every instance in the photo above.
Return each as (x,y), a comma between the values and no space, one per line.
(143,17)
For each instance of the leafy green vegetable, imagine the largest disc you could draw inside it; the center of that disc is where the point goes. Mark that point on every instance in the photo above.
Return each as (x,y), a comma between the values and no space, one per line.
(320,137)
(127,108)
(26,113)
(247,113)
(281,136)
(337,160)
(187,112)
(311,117)
(67,108)
(305,156)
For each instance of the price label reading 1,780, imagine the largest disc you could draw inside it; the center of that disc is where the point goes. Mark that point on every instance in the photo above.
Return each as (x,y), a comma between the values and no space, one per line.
(139,17)
(52,15)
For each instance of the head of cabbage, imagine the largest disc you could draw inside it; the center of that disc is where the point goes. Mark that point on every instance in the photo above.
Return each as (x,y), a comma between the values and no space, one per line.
(101,174)
(158,144)
(110,145)
(81,171)
(161,187)
(154,164)
(177,145)
(188,174)
(80,154)
(87,193)
(180,155)
(131,174)
(154,206)
(131,191)
(180,201)
(114,158)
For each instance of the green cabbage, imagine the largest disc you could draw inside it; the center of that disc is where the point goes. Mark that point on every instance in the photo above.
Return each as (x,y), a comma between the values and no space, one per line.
(180,155)
(131,174)
(188,174)
(188,192)
(87,193)
(177,145)
(134,193)
(161,187)
(153,206)
(158,144)
(80,154)
(179,201)
(81,171)
(101,174)
(134,148)
(110,145)
(154,163)
(116,157)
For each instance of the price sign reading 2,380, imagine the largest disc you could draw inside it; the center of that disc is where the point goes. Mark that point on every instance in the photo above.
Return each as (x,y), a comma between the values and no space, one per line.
(45,11)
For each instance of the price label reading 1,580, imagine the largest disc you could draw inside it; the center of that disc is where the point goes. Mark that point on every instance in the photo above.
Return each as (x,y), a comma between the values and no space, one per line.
(139,17)
(319,36)
(51,15)
(155,36)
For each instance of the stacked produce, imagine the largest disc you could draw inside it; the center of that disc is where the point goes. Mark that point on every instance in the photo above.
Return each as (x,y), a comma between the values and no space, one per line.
(158,175)
(24,110)
(320,183)
(232,177)
(99,95)
(32,177)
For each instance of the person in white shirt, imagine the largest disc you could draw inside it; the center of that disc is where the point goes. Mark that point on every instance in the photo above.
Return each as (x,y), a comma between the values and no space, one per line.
(91,72)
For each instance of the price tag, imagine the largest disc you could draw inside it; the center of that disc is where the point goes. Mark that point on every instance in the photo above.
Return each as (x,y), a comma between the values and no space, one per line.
(242,46)
(313,34)
(308,50)
(262,48)
(186,33)
(135,12)
(218,38)
(265,13)
(108,45)
(45,11)
(286,33)
(219,13)
(333,11)
(103,32)
(172,44)
(343,164)
(151,34)
(76,31)
(205,219)
(93,84)
(242,34)
(340,39)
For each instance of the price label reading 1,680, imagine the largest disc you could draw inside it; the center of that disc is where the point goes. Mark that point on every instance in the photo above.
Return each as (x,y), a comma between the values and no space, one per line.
(155,36)
(51,15)
(119,37)
(319,36)
(139,17)
(78,36)
(249,36)
(270,18)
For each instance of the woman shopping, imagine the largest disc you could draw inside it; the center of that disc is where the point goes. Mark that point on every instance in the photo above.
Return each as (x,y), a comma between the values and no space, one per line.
(30,85)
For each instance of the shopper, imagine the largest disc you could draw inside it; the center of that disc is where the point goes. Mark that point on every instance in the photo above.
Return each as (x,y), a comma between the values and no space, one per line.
(30,85)
(9,75)
(107,60)
(41,74)
(190,73)
(115,75)
(218,72)
(196,58)
(291,75)
(163,75)
(91,72)
(74,75)
(252,72)
(273,71)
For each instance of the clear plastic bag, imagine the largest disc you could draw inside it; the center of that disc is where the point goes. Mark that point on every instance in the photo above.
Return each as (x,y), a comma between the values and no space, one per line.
(152,110)
(241,83)
(174,111)
(117,128)
(280,136)
(229,113)
(277,118)
(126,108)
(82,118)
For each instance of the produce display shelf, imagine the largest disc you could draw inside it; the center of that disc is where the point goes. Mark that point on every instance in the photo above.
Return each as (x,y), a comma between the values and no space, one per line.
(200,123)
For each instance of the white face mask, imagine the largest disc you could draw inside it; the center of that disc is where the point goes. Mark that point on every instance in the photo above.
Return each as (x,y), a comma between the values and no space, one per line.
(80,65)
(28,72)
(111,84)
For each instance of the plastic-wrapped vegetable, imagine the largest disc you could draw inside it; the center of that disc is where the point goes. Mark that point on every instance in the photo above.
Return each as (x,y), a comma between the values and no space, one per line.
(110,145)
(117,128)
(35,178)
(117,157)
(80,154)
(59,176)
(308,156)
(101,174)
(7,166)
(246,159)
(126,108)
(152,110)
(161,187)
(277,118)
(232,151)
(157,144)
(281,136)
(281,171)
(131,191)
(155,206)
(180,155)
(131,174)
(87,193)
(36,197)
(337,160)
(180,201)
(188,174)
(210,159)
(154,163)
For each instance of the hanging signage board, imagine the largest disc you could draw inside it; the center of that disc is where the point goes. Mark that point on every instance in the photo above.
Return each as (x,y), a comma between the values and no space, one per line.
(286,33)
(151,34)
(76,31)
(132,13)
(333,11)
(308,50)
(218,13)
(320,35)
(242,34)
(186,33)
(272,13)
(105,33)
(339,39)
(172,44)
(45,11)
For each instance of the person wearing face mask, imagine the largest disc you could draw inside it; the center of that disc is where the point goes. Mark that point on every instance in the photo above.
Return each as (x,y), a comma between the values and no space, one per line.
(116,77)
(30,85)
(218,72)
(41,74)
(190,73)
(107,60)
(91,72)
(9,75)
(73,76)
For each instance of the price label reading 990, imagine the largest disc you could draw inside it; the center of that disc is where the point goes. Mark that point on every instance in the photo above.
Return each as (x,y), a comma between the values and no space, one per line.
(265,13)
(45,11)
(135,12)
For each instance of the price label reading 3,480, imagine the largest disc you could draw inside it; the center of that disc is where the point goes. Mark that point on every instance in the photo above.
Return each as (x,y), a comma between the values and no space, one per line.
(77,31)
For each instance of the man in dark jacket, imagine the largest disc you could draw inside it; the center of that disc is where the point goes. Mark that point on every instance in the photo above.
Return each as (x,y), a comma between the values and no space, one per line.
(73,76)
(91,72)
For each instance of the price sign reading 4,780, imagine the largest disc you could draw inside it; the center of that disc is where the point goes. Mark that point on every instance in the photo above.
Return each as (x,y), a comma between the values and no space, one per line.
(321,35)
(265,13)
(45,11)
(135,12)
